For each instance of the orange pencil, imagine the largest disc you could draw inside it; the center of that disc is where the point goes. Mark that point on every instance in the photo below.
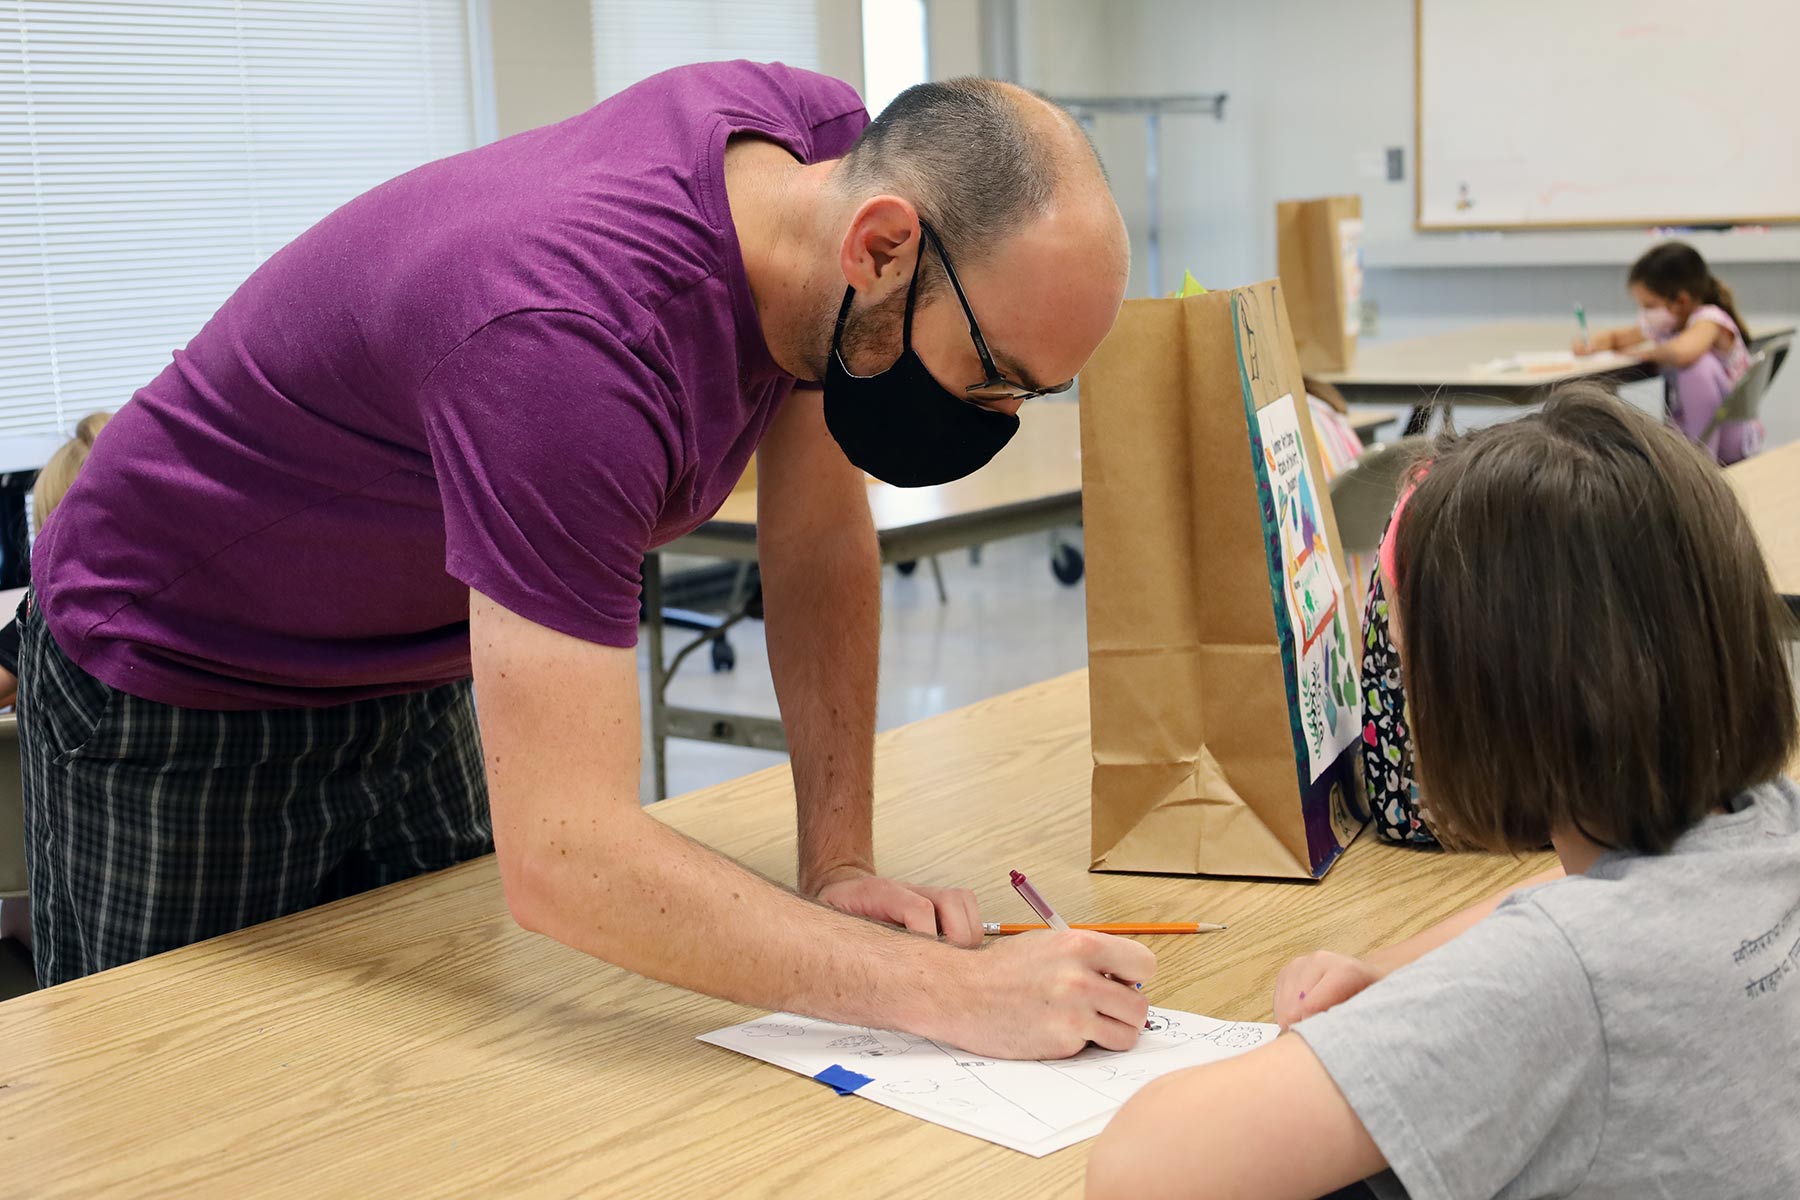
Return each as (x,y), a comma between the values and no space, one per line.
(1140,929)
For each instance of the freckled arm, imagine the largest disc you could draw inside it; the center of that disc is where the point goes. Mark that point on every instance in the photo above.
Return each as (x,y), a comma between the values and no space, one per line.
(583,862)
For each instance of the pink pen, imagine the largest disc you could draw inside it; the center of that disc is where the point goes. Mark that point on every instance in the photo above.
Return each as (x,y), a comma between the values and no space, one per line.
(1045,913)
(1039,905)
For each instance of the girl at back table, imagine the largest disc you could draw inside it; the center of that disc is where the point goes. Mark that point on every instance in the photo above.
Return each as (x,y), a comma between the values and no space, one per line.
(1689,325)
(1595,659)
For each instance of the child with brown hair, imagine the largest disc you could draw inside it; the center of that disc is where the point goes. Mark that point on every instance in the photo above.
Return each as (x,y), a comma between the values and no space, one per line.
(1689,325)
(1594,657)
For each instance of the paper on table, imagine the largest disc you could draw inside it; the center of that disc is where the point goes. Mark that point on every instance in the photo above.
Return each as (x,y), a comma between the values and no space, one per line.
(1550,362)
(1037,1107)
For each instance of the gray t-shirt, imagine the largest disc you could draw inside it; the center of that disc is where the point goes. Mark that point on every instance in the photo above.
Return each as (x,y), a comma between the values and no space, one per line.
(1630,1032)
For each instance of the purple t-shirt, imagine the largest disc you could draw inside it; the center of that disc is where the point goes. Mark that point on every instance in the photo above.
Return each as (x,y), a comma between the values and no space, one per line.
(513,370)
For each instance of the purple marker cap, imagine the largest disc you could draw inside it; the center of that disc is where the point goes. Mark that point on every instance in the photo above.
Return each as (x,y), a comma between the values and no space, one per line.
(1039,905)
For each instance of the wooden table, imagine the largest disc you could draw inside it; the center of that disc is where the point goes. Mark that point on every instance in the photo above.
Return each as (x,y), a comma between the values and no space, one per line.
(1457,368)
(1768,486)
(1033,485)
(414,1041)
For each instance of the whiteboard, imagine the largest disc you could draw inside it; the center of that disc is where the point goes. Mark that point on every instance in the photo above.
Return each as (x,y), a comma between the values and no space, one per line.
(1606,112)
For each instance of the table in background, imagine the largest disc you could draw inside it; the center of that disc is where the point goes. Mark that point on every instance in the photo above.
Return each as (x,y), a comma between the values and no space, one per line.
(1033,485)
(1768,486)
(414,1039)
(1453,368)
(1365,421)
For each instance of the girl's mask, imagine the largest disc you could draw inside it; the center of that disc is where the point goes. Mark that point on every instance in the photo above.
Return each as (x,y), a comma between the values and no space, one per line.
(1656,323)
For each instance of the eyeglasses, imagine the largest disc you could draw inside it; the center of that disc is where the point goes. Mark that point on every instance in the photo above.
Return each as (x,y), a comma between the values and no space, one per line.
(996,386)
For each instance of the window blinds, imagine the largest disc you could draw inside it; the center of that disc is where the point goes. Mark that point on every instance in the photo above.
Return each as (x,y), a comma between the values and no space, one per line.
(153,154)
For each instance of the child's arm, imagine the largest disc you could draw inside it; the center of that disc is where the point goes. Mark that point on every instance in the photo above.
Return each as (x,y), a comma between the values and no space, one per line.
(1315,982)
(1268,1124)
(1622,338)
(1687,347)
(1484,1054)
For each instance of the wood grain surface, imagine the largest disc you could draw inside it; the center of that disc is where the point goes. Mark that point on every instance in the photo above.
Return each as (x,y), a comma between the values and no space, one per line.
(414,1041)
(1768,486)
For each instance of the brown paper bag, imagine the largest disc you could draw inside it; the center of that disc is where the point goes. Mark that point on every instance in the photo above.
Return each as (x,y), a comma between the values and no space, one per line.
(1222,646)
(1319,244)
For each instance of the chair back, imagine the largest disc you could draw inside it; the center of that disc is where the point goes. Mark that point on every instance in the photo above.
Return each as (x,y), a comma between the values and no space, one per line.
(1364,493)
(1776,345)
(1745,399)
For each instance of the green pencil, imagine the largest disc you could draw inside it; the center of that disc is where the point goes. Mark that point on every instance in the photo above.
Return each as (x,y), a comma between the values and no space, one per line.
(1581,319)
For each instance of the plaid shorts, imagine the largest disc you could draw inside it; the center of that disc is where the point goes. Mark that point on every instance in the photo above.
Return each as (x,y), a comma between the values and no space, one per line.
(149,826)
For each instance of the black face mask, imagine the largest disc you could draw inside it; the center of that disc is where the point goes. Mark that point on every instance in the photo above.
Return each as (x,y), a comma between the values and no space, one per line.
(901,426)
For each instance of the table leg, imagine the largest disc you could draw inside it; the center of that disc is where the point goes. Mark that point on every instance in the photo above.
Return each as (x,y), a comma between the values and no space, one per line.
(659,717)
(740,588)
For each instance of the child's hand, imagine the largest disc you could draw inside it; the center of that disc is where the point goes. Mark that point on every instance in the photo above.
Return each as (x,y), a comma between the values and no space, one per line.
(1581,347)
(1315,982)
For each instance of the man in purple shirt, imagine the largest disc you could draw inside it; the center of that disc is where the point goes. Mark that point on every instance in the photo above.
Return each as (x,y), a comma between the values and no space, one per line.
(434,437)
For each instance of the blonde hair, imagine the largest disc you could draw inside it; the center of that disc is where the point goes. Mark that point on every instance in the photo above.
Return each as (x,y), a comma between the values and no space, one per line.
(58,475)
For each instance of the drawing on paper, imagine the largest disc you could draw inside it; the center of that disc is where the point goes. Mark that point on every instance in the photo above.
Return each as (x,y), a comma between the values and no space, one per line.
(1312,593)
(910,1087)
(1235,1036)
(877,1043)
(1036,1107)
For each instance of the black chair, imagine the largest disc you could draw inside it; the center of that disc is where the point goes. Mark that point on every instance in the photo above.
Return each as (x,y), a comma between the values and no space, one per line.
(1777,346)
(695,595)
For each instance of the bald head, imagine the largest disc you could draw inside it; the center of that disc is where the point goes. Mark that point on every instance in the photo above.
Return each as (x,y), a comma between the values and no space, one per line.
(981,161)
(1016,194)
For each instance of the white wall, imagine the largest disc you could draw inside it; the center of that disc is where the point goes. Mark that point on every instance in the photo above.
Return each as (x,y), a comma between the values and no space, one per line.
(840,40)
(1318,90)
(1296,118)
(953,35)
(543,62)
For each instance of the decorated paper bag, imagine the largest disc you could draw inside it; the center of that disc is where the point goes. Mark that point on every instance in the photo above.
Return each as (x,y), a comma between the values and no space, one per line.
(1319,243)
(1222,647)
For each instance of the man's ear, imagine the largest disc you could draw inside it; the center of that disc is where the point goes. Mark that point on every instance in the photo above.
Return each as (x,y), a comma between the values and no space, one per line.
(880,248)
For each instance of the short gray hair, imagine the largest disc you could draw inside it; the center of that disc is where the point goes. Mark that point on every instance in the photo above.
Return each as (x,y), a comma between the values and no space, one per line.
(964,152)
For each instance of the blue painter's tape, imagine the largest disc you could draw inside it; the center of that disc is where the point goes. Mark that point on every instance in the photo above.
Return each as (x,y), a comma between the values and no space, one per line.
(842,1080)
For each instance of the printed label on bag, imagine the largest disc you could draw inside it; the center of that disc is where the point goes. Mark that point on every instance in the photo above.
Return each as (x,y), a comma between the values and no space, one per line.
(1350,248)
(1312,593)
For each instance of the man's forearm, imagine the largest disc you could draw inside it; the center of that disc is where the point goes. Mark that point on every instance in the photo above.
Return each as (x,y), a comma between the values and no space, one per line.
(640,895)
(822,600)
